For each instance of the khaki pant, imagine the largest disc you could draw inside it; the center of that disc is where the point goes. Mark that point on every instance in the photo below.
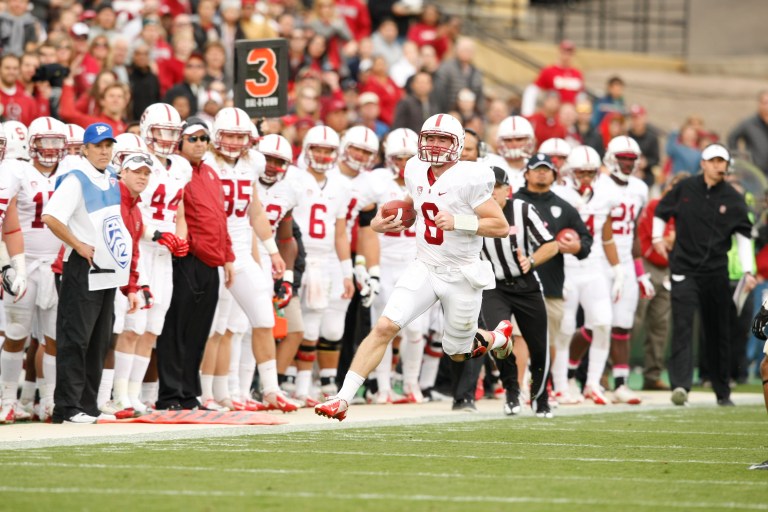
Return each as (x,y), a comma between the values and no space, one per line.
(654,315)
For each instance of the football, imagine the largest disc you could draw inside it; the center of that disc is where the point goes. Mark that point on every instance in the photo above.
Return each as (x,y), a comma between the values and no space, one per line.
(567,234)
(401,210)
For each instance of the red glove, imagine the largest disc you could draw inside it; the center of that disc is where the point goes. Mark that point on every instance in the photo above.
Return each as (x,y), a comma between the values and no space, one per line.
(146,294)
(283,293)
(177,246)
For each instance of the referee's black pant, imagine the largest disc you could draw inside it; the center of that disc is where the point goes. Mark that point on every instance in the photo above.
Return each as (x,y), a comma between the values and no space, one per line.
(522,298)
(711,296)
(187,325)
(83,334)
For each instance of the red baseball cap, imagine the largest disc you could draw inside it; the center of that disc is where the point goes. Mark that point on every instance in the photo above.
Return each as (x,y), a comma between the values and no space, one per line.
(567,45)
(636,110)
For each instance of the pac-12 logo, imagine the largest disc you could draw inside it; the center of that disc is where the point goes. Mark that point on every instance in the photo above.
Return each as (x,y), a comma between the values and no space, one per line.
(263,62)
(115,240)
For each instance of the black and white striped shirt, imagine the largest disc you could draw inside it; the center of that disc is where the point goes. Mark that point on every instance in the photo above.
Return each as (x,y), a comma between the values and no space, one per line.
(526,230)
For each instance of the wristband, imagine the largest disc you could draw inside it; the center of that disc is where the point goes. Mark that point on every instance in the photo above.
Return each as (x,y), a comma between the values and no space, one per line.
(270,246)
(374,271)
(468,223)
(288,276)
(609,242)
(148,235)
(657,240)
(359,260)
(639,270)
(346,268)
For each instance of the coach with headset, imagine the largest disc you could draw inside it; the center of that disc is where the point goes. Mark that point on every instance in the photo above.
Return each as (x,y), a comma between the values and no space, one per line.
(708,211)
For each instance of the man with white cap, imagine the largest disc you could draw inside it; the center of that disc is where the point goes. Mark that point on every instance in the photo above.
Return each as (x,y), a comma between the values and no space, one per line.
(84,213)
(708,211)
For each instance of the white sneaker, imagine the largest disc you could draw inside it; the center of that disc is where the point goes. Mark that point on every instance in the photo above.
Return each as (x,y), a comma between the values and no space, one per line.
(596,395)
(565,398)
(575,391)
(106,417)
(624,395)
(26,407)
(44,412)
(213,405)
(413,393)
(7,414)
(114,406)
(81,419)
(139,407)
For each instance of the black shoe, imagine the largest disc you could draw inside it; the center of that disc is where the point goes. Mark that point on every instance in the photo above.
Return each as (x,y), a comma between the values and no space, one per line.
(542,409)
(464,405)
(512,407)
(725,402)
(169,407)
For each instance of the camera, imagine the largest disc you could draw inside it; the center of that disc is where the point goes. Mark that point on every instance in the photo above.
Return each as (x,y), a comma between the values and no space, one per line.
(51,73)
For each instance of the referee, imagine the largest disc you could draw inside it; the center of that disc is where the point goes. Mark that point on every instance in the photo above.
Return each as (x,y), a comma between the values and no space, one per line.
(84,213)
(518,292)
(708,211)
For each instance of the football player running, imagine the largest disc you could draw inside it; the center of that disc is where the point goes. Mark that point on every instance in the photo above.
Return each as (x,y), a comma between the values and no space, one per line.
(29,283)
(454,210)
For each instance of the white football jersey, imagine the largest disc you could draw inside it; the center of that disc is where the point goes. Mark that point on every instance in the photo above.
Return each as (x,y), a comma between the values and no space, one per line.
(400,245)
(319,206)
(280,198)
(459,190)
(160,200)
(568,193)
(631,199)
(363,193)
(32,190)
(516,178)
(237,186)
(594,214)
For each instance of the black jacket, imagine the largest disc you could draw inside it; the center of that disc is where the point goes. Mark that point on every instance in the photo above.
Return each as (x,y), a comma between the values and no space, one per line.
(705,220)
(558,214)
(145,90)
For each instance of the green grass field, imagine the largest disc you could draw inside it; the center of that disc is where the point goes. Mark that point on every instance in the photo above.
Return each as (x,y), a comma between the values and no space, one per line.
(682,459)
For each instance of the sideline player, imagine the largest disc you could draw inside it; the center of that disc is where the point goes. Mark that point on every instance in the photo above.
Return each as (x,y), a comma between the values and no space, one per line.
(454,211)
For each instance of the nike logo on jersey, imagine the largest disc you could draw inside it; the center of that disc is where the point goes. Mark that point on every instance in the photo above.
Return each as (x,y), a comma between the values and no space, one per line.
(441,193)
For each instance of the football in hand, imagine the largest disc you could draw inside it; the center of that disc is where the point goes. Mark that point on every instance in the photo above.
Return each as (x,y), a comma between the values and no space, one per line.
(402,210)
(567,235)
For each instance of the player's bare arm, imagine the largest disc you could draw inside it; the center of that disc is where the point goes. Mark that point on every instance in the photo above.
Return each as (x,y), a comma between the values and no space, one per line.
(181,222)
(263,230)
(381,224)
(368,240)
(345,256)
(489,221)
(12,236)
(286,244)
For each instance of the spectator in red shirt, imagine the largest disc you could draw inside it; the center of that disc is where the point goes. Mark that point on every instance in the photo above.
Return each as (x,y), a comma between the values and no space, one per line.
(89,103)
(561,77)
(545,122)
(384,87)
(355,13)
(112,103)
(195,277)
(427,32)
(93,62)
(16,103)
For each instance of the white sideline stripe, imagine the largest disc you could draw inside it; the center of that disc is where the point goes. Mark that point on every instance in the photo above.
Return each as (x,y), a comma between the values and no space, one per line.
(383,497)
(396,474)
(455,456)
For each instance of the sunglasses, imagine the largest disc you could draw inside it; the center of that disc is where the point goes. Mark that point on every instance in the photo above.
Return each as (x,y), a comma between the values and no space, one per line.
(139,159)
(202,138)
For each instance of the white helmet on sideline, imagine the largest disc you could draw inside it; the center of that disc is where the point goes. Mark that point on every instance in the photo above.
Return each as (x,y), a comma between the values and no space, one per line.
(401,143)
(235,123)
(278,154)
(321,137)
(515,128)
(363,139)
(160,127)
(17,140)
(47,140)
(626,149)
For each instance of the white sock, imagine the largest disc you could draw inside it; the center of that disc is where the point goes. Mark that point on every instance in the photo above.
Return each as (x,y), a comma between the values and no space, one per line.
(11,364)
(49,370)
(134,391)
(598,355)
(560,363)
(383,372)
(149,391)
(411,354)
(220,388)
(247,367)
(303,382)
(330,372)
(233,377)
(105,387)
(28,391)
(268,376)
(206,385)
(352,383)
(40,384)
(429,371)
(123,364)
(291,371)
(138,369)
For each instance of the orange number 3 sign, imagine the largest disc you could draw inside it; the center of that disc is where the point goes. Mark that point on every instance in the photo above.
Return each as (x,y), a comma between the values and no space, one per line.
(266,83)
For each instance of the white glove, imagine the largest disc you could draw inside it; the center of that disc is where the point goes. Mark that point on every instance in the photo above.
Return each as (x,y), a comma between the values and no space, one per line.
(19,283)
(617,273)
(647,290)
(374,286)
(361,276)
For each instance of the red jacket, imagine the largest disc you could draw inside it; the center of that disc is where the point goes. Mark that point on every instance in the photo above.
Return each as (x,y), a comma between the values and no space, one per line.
(546,127)
(132,219)
(644,234)
(427,35)
(19,106)
(568,82)
(389,94)
(356,15)
(207,233)
(69,113)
